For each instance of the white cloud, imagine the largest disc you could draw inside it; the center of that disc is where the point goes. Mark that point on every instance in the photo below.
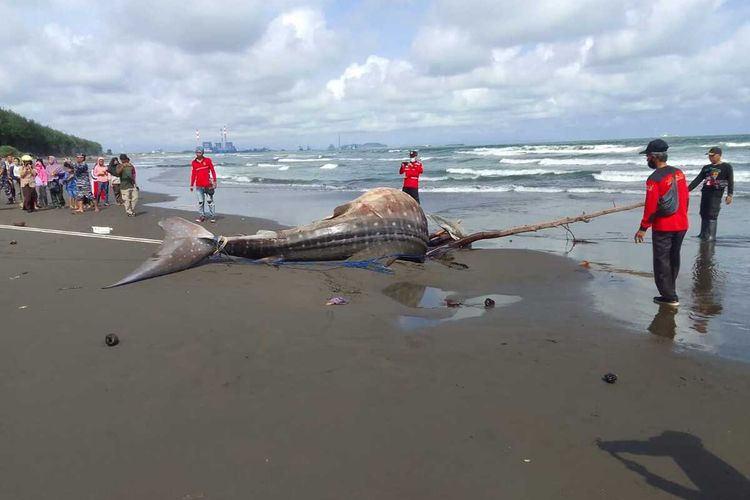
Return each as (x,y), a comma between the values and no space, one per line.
(146,74)
(447,51)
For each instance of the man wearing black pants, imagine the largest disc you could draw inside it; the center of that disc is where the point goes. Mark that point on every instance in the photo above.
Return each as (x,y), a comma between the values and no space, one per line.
(715,176)
(666,211)
(666,247)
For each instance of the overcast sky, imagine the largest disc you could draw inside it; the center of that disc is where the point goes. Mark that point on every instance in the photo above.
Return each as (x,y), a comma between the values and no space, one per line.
(143,74)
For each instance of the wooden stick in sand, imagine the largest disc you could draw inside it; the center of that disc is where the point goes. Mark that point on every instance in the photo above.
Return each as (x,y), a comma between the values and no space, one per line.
(485,235)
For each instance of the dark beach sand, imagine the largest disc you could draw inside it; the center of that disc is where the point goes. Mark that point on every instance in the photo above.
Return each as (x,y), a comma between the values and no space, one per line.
(236,382)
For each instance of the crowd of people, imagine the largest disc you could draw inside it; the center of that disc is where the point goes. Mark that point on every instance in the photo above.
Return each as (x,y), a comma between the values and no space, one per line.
(35,184)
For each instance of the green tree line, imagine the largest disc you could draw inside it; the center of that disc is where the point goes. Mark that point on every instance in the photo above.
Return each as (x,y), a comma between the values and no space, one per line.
(28,136)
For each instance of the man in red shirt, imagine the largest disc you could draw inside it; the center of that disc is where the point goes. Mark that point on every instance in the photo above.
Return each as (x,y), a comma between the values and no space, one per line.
(203,177)
(666,211)
(411,170)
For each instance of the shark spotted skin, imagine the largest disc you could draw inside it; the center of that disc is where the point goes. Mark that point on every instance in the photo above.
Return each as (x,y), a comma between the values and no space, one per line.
(382,223)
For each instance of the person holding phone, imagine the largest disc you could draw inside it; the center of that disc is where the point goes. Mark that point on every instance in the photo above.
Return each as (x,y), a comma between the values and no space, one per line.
(411,170)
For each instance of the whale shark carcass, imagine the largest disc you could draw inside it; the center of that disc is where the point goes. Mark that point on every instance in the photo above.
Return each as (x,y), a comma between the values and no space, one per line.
(382,223)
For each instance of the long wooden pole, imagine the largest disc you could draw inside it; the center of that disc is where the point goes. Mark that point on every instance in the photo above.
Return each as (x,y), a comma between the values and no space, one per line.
(485,235)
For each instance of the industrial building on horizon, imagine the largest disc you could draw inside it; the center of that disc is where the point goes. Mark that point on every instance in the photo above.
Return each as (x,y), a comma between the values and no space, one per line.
(224,146)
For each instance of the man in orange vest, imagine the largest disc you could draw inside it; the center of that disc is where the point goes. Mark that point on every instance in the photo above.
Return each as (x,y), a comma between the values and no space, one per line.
(411,170)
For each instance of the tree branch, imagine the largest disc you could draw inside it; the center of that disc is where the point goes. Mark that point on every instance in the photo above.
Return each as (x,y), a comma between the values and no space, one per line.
(485,235)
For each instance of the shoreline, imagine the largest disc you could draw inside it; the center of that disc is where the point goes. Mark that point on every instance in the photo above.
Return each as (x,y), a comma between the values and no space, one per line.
(712,319)
(236,380)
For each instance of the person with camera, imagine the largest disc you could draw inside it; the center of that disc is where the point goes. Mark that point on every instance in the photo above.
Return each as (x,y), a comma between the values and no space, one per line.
(665,211)
(411,170)
(203,178)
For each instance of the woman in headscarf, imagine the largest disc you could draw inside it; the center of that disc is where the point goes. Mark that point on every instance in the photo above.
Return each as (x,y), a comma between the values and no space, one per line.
(83,184)
(55,176)
(41,183)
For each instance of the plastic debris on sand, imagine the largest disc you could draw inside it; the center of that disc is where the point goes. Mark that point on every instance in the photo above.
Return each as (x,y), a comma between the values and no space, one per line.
(337,301)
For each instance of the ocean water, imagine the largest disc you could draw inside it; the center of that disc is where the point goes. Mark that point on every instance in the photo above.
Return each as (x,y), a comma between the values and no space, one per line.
(497,186)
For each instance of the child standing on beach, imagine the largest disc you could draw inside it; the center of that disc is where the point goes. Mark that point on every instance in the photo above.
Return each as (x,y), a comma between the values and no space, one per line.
(69,181)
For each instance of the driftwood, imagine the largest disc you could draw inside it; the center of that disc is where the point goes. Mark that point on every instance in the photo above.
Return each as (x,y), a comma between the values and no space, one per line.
(484,235)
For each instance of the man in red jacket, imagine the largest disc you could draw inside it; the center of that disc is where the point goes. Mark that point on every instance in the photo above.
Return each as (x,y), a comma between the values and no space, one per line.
(203,178)
(669,222)
(411,170)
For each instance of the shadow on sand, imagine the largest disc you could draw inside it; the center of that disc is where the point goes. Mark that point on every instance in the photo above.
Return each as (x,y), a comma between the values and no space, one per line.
(714,478)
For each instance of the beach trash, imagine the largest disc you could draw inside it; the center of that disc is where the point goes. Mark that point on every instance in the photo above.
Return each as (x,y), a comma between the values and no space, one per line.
(585,263)
(337,301)
(453,303)
(13,242)
(111,340)
(489,303)
(101,229)
(610,378)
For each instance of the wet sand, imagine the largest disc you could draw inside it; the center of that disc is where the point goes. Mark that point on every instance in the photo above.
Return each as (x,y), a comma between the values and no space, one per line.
(236,381)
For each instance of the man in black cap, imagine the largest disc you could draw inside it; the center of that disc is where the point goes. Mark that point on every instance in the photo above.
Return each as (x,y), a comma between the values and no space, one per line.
(716,176)
(666,210)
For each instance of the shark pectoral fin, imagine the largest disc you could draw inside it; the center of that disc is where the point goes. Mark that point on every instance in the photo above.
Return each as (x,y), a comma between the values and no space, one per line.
(177,227)
(185,245)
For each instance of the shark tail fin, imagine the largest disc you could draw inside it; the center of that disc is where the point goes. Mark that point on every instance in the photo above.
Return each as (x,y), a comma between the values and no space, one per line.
(185,245)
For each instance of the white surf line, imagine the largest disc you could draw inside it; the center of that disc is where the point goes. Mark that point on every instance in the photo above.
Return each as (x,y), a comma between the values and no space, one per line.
(84,235)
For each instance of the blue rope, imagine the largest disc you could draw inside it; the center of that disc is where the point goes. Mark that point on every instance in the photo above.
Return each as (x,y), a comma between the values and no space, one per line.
(370,264)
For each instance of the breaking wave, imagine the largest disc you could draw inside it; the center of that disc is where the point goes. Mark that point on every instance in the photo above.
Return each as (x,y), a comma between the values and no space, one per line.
(303,160)
(526,189)
(584,149)
(505,173)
